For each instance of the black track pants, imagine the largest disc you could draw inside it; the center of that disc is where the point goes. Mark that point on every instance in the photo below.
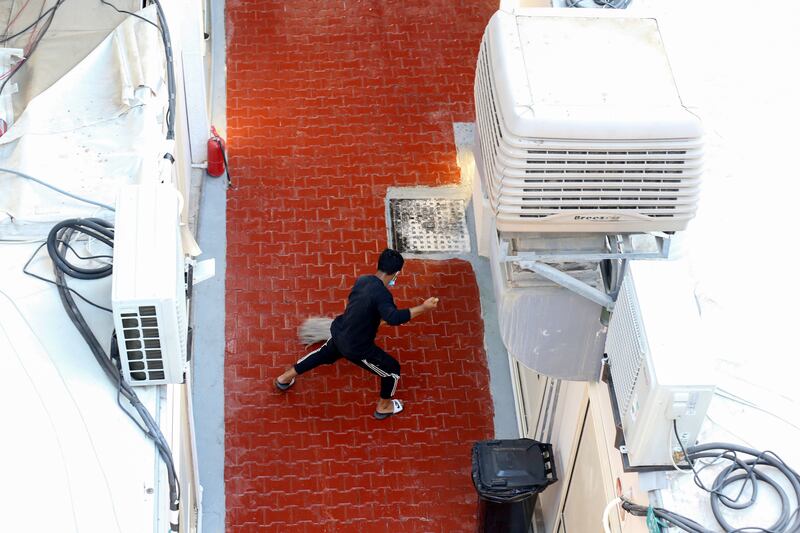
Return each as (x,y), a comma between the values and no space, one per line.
(375,360)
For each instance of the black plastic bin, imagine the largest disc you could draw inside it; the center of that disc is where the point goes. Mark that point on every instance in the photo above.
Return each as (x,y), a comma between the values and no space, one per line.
(508,474)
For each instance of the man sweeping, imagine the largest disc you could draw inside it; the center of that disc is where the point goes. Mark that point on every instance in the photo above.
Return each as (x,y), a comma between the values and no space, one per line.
(352,334)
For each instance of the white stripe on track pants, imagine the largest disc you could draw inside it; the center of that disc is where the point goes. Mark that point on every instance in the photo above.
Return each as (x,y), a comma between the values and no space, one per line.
(374,360)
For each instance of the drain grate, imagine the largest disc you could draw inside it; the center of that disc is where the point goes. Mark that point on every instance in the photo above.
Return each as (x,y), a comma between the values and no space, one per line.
(428,225)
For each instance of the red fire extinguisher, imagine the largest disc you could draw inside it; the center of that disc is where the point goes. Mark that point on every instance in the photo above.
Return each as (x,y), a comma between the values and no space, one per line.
(217,158)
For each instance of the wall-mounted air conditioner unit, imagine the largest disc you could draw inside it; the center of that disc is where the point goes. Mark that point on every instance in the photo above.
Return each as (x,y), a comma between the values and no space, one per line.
(148,287)
(659,363)
(580,126)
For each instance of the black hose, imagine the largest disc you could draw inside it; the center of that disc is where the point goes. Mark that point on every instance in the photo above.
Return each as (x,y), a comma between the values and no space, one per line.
(57,245)
(162,20)
(746,465)
(741,469)
(98,228)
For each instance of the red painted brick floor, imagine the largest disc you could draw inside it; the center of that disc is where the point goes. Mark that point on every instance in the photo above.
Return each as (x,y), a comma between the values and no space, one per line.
(330,103)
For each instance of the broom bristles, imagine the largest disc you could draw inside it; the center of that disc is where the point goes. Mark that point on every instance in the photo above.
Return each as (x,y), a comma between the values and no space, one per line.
(315,329)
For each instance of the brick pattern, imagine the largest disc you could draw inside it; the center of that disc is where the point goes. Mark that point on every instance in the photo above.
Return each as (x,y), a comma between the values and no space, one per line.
(329,103)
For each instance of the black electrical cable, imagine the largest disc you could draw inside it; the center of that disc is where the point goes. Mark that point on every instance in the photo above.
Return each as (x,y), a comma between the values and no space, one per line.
(746,466)
(162,20)
(163,29)
(752,470)
(697,481)
(118,10)
(32,24)
(73,291)
(64,232)
(85,257)
(165,37)
(57,242)
(98,228)
(674,519)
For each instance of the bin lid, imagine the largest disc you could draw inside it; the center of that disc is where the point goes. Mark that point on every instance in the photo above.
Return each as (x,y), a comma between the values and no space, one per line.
(510,464)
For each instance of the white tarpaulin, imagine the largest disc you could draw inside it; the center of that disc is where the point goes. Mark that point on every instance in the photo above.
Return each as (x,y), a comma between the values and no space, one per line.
(68,444)
(98,127)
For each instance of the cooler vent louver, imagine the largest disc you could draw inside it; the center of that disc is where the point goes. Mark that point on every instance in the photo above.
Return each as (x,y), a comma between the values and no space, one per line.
(550,161)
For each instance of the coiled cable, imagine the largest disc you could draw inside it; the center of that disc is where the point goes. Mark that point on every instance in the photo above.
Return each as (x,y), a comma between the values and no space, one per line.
(57,245)
(748,467)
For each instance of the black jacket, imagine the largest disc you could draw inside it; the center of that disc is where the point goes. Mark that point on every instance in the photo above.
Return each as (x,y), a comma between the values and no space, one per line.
(370,301)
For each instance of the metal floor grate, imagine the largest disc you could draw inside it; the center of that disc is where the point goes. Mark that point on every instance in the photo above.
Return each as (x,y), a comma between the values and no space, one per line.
(428,225)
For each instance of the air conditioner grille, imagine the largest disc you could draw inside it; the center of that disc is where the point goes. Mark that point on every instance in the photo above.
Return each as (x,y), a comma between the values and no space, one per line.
(626,345)
(143,344)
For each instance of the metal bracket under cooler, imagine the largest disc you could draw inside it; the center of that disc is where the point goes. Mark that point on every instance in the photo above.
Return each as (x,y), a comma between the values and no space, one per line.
(612,252)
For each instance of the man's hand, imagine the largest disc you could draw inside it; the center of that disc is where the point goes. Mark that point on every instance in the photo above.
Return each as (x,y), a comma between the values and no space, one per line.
(428,305)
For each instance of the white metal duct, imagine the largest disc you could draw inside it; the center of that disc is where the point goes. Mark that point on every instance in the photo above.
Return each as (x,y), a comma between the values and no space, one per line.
(546,327)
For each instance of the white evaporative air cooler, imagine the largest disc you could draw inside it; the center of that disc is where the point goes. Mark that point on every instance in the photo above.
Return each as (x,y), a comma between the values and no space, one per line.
(580,125)
(148,285)
(659,362)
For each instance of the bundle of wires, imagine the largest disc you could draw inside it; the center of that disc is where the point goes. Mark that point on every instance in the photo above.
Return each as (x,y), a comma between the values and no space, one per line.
(747,467)
(47,16)
(58,246)
(33,42)
(163,29)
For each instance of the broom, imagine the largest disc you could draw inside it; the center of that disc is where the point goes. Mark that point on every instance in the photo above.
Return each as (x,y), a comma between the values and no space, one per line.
(315,329)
